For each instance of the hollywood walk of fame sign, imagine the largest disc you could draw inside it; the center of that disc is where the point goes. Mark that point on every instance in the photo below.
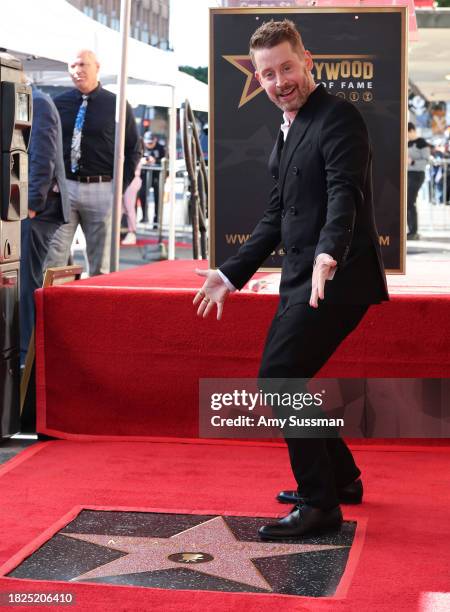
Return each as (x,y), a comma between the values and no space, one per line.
(352,61)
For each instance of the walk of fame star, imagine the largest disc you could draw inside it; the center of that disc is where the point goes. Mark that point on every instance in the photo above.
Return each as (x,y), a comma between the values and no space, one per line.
(208,548)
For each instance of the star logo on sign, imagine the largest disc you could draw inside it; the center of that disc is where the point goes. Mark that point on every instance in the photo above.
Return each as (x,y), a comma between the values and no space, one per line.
(209,548)
(251,87)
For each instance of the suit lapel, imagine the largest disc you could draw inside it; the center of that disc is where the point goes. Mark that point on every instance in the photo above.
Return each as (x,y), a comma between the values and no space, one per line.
(274,159)
(298,130)
(296,134)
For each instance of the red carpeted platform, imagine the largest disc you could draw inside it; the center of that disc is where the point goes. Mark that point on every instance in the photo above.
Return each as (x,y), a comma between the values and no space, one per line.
(144,242)
(403,556)
(122,354)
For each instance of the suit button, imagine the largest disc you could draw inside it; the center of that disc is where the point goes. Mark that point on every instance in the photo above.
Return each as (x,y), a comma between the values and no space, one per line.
(294,250)
(274,176)
(283,213)
(294,170)
(292,210)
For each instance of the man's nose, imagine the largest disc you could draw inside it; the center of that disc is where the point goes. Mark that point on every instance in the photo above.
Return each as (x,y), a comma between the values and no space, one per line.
(280,81)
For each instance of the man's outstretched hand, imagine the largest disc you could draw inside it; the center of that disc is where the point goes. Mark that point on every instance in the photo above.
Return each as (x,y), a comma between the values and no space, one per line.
(214,291)
(323,270)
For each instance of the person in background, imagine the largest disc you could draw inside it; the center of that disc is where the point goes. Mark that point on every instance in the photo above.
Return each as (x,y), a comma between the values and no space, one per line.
(418,157)
(204,142)
(129,205)
(88,123)
(48,206)
(440,173)
(154,151)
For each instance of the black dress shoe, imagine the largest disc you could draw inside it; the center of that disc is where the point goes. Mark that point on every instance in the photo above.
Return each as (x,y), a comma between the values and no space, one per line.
(350,494)
(301,521)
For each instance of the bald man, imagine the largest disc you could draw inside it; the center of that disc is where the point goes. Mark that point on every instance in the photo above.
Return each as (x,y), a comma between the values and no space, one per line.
(88,123)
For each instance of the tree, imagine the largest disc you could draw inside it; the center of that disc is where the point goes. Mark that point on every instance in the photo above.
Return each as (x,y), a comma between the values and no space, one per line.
(200,73)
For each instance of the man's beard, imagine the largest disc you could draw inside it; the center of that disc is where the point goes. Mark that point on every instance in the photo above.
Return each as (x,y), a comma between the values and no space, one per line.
(298,100)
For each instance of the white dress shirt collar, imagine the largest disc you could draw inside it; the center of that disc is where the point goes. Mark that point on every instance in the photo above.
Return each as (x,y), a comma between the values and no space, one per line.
(287,122)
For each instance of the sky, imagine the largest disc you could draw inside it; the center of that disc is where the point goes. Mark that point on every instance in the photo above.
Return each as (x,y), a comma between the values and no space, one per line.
(189,30)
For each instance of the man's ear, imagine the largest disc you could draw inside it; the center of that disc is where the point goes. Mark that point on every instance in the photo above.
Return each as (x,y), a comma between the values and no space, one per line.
(309,60)
(258,77)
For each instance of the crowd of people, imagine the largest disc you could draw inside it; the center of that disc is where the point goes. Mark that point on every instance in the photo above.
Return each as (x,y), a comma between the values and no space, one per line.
(425,161)
(439,175)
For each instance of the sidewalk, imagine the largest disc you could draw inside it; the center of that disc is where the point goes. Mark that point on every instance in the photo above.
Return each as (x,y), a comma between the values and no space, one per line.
(434,233)
(431,245)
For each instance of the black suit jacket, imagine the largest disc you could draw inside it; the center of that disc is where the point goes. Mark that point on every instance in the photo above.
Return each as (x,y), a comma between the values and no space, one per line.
(321,203)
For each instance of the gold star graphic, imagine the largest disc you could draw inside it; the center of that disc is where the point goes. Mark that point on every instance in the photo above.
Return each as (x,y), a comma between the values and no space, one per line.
(251,88)
(209,548)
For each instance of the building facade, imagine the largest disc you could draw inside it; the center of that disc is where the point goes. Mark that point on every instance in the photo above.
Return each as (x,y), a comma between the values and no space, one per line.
(149,18)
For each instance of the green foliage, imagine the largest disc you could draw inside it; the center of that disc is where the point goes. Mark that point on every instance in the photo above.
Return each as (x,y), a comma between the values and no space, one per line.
(200,73)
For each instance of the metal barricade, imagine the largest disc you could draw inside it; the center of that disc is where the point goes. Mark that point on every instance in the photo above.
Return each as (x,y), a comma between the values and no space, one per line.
(433,202)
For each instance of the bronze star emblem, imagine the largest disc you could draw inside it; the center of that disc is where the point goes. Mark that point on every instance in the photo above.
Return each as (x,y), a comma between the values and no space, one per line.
(209,548)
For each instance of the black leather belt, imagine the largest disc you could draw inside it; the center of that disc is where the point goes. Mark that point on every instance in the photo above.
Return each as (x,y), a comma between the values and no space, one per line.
(92,179)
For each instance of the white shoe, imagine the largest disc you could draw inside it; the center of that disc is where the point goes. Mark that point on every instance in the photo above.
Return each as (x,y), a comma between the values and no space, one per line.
(130,238)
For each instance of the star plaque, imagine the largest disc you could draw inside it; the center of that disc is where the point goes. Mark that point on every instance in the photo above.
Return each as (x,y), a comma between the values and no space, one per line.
(179,551)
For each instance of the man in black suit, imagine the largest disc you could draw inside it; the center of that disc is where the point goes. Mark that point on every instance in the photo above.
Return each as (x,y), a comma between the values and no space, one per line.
(48,206)
(321,211)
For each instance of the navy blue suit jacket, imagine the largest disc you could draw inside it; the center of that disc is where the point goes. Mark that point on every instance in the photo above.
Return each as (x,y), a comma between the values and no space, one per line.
(45,155)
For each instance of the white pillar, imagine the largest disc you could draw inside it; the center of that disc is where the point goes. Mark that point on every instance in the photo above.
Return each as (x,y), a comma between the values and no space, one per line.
(172,167)
(119,157)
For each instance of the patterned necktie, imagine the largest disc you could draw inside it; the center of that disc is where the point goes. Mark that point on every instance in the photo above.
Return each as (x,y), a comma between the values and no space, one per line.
(75,149)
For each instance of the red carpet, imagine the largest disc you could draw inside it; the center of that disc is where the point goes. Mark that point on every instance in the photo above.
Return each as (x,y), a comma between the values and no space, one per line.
(141,242)
(405,551)
(122,354)
(432,276)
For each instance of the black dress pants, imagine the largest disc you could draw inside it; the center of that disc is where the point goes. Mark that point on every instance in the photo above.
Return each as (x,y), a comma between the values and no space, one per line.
(36,235)
(155,185)
(300,341)
(143,193)
(415,181)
